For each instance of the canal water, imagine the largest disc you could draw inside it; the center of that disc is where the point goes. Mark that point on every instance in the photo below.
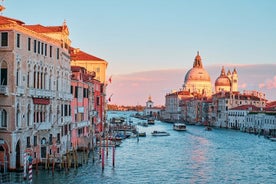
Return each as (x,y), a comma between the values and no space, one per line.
(193,156)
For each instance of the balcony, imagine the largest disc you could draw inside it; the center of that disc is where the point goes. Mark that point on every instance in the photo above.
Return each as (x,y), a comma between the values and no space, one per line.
(4,89)
(42,93)
(63,95)
(20,90)
(42,126)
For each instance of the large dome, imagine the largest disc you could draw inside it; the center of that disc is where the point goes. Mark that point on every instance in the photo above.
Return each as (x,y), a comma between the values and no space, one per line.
(197,74)
(198,79)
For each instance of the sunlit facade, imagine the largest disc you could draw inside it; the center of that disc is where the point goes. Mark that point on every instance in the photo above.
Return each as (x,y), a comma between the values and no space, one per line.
(197,79)
(34,91)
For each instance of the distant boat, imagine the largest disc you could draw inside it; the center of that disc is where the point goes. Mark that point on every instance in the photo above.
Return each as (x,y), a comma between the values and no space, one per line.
(159,133)
(151,121)
(179,126)
(272,138)
(142,134)
(208,128)
(145,124)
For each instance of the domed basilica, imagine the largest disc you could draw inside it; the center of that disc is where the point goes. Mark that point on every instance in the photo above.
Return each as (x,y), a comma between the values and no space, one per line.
(198,82)
(197,79)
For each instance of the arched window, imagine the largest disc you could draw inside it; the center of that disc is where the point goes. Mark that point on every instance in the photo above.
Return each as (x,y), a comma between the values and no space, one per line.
(18,115)
(34,79)
(3,118)
(18,74)
(3,73)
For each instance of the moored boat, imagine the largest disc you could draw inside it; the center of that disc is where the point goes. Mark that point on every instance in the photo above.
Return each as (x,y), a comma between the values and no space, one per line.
(179,126)
(160,133)
(272,138)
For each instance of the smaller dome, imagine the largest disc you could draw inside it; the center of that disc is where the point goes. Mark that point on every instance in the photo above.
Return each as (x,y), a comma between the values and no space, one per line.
(223,80)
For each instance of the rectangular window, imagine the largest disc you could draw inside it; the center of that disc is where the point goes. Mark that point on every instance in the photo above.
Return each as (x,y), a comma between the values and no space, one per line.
(45,49)
(98,100)
(57,53)
(28,142)
(35,140)
(38,47)
(76,91)
(51,139)
(4,76)
(18,40)
(51,48)
(4,39)
(34,46)
(42,48)
(29,44)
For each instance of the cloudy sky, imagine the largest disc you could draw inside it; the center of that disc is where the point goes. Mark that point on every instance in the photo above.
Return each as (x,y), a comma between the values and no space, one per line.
(150,44)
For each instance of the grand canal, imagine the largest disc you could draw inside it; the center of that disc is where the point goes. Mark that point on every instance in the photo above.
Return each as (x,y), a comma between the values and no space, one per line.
(194,156)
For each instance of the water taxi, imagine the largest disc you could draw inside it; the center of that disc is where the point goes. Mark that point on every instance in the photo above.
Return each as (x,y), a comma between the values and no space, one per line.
(151,121)
(159,133)
(179,126)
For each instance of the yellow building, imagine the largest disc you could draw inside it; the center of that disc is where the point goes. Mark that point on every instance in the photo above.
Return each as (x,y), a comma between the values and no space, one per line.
(90,62)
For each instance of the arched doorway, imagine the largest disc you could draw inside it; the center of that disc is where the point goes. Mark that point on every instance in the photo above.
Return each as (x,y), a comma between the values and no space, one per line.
(18,160)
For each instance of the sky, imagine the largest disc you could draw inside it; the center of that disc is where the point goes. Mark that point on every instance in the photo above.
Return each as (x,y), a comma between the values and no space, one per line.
(151,44)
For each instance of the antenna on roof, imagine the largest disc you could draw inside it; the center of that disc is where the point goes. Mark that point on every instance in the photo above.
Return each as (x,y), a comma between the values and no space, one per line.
(2,8)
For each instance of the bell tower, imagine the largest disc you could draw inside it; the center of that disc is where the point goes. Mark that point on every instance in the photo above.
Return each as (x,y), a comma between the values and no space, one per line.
(234,79)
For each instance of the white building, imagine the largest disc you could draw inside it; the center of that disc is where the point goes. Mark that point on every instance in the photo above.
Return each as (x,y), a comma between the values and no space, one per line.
(150,110)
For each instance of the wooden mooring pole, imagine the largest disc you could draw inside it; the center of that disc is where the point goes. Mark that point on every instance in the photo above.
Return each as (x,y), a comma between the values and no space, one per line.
(113,157)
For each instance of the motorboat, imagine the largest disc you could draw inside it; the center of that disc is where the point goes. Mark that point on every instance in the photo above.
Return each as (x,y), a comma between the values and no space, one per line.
(151,121)
(159,133)
(179,126)
(272,138)
(142,134)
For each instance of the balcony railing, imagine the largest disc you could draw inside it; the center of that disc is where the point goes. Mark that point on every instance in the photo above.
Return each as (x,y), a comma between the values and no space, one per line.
(4,89)
(40,93)
(20,90)
(42,126)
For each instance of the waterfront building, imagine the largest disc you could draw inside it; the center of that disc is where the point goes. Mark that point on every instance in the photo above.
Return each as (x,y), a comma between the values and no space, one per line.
(90,62)
(261,121)
(93,64)
(150,110)
(237,116)
(82,107)
(223,101)
(34,91)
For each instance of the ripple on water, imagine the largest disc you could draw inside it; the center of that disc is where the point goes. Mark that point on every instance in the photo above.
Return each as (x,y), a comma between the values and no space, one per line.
(194,156)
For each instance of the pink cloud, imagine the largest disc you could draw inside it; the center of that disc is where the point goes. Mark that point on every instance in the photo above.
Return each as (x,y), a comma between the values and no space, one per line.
(135,88)
(269,84)
(243,85)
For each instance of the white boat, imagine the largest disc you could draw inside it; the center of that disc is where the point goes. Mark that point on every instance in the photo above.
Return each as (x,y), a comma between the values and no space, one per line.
(272,138)
(159,133)
(179,126)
